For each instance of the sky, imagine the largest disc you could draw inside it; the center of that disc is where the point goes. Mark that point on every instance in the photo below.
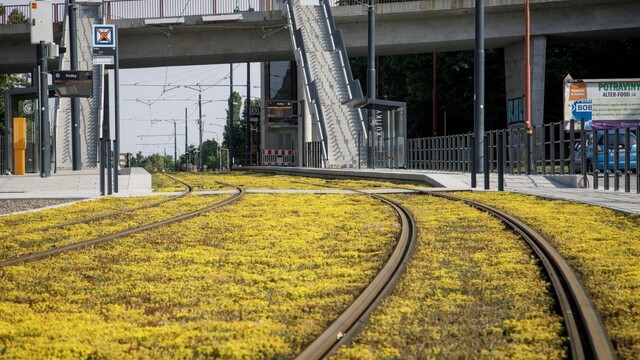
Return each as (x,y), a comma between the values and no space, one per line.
(152,98)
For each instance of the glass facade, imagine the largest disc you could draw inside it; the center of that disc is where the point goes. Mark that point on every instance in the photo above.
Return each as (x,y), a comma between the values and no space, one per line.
(282,80)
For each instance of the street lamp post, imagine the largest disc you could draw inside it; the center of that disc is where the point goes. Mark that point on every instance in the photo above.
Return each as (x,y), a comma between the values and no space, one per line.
(186,141)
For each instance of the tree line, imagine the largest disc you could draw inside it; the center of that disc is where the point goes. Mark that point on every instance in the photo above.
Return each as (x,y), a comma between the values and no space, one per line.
(409,78)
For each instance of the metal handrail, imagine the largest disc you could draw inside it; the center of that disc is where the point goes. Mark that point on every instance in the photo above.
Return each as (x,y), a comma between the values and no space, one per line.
(137,9)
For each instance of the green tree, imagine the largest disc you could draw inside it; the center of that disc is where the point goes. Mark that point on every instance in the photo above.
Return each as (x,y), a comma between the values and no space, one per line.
(10,82)
(603,59)
(239,140)
(232,136)
(210,155)
(193,160)
(409,78)
(17,17)
(152,163)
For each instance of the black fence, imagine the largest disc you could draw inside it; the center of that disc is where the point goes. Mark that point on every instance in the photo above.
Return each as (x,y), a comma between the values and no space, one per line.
(607,158)
(441,153)
(313,154)
(3,166)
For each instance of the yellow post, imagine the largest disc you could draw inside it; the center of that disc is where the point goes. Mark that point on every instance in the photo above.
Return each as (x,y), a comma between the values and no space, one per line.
(19,145)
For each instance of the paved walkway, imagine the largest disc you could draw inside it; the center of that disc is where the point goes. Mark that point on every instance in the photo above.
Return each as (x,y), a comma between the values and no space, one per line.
(554,187)
(136,181)
(72,184)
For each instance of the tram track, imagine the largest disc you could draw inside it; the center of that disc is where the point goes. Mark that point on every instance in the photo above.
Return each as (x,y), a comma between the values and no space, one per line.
(91,242)
(349,323)
(588,338)
(188,190)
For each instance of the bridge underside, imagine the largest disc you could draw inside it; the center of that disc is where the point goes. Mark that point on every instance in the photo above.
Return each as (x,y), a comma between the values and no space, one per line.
(402,28)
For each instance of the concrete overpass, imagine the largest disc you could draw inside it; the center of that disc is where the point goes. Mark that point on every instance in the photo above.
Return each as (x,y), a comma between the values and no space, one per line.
(402,28)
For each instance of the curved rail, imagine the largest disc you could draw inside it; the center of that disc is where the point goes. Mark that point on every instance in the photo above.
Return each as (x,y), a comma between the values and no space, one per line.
(55,251)
(343,329)
(587,336)
(187,191)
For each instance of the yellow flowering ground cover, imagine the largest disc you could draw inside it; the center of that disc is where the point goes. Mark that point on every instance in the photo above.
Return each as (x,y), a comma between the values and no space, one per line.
(11,224)
(22,241)
(258,180)
(472,291)
(602,246)
(163,183)
(257,279)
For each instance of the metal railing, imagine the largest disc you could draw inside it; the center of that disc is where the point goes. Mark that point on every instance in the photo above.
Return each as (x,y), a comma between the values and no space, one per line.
(441,153)
(7,10)
(551,149)
(3,166)
(313,154)
(146,9)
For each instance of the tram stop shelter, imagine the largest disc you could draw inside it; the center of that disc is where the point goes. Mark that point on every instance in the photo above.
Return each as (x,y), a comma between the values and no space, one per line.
(386,147)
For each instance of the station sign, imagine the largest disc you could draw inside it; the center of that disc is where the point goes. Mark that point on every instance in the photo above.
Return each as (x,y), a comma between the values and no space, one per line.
(73,83)
(283,112)
(254,113)
(104,44)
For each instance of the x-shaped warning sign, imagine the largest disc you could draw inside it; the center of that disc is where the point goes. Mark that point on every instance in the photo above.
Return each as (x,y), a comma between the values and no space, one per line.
(104,36)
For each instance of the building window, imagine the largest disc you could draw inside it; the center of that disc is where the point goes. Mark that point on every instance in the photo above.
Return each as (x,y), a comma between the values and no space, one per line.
(282,80)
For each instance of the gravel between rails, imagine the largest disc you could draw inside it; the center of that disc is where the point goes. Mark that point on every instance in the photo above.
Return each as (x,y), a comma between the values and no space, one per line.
(9,206)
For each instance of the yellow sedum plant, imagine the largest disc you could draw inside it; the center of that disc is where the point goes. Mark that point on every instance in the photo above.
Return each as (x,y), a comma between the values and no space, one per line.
(23,240)
(163,183)
(472,290)
(258,279)
(602,246)
(259,180)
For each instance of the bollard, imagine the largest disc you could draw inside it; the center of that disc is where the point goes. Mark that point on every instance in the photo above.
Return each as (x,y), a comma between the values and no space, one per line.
(627,161)
(472,161)
(486,163)
(19,145)
(616,159)
(102,164)
(500,161)
(605,155)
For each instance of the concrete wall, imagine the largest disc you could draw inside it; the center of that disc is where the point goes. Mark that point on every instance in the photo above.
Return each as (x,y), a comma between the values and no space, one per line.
(89,108)
(514,62)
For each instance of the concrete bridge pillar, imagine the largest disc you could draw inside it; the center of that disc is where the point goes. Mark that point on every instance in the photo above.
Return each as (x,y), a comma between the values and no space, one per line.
(514,63)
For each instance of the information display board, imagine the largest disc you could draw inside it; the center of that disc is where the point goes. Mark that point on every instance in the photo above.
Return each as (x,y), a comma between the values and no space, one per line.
(73,83)
(602,104)
(283,112)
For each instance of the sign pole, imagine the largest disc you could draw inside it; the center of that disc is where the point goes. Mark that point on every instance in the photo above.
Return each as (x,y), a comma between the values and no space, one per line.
(371,78)
(186,142)
(75,105)
(479,73)
(116,143)
(45,134)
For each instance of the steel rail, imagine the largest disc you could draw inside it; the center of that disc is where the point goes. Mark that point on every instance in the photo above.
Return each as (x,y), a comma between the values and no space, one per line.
(347,325)
(187,191)
(79,245)
(587,336)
